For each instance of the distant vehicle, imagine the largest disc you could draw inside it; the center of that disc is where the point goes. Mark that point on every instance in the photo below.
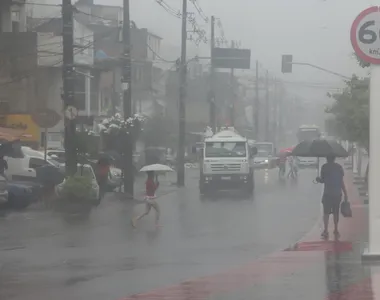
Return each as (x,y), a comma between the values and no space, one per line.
(308,132)
(265,157)
(227,163)
(57,154)
(307,162)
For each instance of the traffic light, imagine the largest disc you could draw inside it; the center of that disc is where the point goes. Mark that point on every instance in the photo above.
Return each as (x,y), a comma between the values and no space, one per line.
(287,66)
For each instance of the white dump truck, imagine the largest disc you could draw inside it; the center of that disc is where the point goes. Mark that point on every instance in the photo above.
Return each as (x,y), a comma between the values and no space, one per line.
(227,163)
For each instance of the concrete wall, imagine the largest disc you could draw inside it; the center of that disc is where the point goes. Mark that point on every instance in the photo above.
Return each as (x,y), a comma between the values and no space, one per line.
(18,58)
(12,16)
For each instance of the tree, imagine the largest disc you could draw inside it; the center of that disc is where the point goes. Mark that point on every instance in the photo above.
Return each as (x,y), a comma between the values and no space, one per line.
(361,62)
(116,131)
(350,113)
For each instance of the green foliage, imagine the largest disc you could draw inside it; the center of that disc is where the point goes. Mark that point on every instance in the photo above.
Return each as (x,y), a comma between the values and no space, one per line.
(78,188)
(117,132)
(349,114)
(361,62)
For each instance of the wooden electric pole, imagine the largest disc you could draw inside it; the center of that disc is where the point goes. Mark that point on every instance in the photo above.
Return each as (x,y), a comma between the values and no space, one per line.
(211,96)
(68,77)
(232,84)
(128,169)
(182,104)
(267,107)
(256,105)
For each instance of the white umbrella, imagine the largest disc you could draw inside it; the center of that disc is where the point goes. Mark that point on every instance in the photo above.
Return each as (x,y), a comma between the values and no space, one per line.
(156,168)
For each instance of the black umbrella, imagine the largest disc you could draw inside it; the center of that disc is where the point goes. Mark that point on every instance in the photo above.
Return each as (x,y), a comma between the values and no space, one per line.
(49,175)
(319,148)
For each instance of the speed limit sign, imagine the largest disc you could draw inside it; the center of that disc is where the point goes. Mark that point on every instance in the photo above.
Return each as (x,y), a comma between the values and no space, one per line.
(365,35)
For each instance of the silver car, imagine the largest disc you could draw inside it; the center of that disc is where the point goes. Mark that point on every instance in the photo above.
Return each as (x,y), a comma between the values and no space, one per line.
(3,190)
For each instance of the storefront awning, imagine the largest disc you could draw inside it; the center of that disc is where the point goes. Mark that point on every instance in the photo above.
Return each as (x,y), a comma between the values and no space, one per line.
(9,134)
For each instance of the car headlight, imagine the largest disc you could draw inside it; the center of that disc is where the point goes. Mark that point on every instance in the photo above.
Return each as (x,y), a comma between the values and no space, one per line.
(266,161)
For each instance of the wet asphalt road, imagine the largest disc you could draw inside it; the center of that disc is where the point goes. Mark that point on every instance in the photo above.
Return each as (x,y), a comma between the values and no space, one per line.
(45,256)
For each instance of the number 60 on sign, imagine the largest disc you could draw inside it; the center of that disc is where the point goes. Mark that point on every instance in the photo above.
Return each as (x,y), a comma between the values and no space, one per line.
(365,35)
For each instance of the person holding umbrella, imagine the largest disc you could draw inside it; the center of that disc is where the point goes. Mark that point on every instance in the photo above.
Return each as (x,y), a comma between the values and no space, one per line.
(151,187)
(332,177)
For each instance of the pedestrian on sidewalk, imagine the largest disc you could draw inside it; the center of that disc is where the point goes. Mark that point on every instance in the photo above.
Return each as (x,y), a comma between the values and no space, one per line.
(151,187)
(332,177)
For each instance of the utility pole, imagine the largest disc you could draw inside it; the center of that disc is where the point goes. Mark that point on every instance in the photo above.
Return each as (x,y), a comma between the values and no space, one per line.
(127,100)
(280,115)
(267,106)
(68,78)
(182,104)
(275,111)
(256,106)
(232,104)
(212,79)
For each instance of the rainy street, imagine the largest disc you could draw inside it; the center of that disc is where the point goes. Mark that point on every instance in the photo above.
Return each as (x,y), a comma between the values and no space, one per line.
(45,256)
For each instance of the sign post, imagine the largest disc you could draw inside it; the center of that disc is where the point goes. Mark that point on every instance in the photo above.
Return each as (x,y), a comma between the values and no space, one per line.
(46,119)
(365,39)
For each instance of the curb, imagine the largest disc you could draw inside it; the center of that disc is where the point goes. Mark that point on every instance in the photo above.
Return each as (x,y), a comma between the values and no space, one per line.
(357,201)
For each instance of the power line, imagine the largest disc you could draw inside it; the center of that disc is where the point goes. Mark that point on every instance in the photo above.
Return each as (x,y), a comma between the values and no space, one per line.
(43,4)
(201,33)
(156,54)
(199,10)
(45,21)
(169,9)
(221,41)
(112,20)
(31,72)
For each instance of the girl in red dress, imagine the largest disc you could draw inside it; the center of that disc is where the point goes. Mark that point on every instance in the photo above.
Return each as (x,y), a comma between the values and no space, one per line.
(151,187)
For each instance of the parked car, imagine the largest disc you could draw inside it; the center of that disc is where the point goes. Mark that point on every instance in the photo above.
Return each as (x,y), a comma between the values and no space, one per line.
(307,162)
(24,168)
(114,176)
(22,194)
(83,170)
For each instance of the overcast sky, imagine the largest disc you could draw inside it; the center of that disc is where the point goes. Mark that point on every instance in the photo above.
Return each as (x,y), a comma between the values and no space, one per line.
(314,31)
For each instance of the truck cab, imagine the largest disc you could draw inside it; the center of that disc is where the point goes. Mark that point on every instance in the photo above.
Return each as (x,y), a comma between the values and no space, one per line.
(227,163)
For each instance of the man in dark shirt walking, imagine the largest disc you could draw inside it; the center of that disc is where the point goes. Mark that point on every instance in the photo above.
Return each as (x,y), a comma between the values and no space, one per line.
(332,177)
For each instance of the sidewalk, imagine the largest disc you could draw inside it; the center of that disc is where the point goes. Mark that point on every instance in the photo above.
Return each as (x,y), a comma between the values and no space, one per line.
(310,269)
